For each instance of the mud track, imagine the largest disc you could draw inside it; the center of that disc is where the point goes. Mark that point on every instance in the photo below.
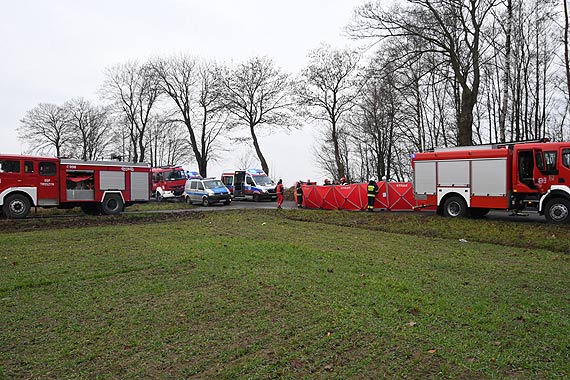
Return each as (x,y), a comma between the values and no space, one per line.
(80,220)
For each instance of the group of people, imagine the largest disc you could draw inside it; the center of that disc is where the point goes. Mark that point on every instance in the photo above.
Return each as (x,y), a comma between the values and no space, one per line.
(342,181)
(372,190)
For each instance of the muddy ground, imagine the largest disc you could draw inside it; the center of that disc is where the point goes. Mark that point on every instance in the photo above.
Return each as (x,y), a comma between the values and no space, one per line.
(80,220)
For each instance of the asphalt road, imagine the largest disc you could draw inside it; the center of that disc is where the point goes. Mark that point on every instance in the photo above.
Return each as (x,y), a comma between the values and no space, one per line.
(529,217)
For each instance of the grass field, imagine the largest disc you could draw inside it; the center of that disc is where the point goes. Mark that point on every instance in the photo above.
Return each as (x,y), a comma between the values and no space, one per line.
(291,294)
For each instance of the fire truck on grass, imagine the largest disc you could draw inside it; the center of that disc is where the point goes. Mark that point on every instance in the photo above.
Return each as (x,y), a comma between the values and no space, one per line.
(470,181)
(96,186)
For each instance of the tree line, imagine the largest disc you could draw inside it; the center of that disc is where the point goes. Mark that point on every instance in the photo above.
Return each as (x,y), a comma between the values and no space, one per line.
(435,73)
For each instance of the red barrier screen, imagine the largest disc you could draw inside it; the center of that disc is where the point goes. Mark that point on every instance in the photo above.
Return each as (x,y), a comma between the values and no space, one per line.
(397,196)
(401,196)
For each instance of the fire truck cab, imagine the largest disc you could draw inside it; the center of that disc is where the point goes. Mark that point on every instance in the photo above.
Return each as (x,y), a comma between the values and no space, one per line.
(168,182)
(470,181)
(95,186)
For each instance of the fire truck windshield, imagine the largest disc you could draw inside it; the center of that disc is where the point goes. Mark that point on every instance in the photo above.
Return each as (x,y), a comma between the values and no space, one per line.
(174,175)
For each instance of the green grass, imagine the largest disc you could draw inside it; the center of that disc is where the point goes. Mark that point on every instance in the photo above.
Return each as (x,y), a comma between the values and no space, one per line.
(522,234)
(258,295)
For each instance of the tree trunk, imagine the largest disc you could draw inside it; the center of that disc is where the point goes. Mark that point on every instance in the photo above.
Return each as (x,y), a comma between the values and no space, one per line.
(200,160)
(337,157)
(465,122)
(264,166)
(134,145)
(142,149)
(203,167)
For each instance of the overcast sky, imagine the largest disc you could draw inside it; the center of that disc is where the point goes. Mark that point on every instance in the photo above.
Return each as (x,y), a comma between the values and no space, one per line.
(56,50)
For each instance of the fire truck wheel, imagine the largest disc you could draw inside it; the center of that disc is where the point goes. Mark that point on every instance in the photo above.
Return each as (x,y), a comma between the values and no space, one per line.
(112,204)
(159,197)
(16,206)
(205,201)
(455,207)
(557,210)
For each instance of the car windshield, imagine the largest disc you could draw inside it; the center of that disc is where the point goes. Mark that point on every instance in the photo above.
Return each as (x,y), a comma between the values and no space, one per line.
(214,184)
(262,180)
(174,175)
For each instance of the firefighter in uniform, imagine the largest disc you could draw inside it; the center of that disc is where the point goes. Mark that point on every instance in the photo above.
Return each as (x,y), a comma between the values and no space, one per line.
(279,191)
(299,193)
(372,191)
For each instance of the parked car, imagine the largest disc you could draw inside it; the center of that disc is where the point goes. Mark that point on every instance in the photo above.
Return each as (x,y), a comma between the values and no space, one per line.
(206,191)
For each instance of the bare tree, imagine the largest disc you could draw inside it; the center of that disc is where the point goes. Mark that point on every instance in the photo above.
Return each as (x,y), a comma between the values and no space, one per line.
(194,89)
(451,28)
(247,160)
(376,120)
(258,94)
(133,91)
(169,144)
(121,144)
(506,73)
(325,156)
(91,128)
(328,90)
(46,128)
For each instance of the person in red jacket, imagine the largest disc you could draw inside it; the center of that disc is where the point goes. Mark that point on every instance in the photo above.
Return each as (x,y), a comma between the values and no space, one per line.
(279,191)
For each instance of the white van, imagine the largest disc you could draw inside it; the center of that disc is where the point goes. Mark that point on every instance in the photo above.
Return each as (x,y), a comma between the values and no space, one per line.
(251,184)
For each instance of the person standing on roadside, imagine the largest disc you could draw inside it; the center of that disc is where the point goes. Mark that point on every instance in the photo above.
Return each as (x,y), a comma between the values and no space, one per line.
(299,193)
(279,191)
(372,191)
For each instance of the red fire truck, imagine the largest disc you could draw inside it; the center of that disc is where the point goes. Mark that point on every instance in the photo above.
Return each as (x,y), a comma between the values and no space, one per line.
(168,182)
(469,181)
(95,186)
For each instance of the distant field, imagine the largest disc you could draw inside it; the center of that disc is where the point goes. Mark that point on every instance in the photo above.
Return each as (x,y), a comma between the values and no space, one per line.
(291,294)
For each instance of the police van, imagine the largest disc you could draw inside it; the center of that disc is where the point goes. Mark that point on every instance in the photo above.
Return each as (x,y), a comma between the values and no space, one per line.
(206,191)
(252,184)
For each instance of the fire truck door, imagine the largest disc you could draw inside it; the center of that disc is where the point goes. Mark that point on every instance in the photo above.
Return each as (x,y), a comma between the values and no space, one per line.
(526,170)
(10,174)
(549,169)
(564,169)
(29,177)
(48,183)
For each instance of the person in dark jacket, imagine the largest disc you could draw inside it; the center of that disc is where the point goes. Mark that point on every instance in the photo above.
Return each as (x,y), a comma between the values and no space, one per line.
(299,193)
(372,191)
(279,191)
